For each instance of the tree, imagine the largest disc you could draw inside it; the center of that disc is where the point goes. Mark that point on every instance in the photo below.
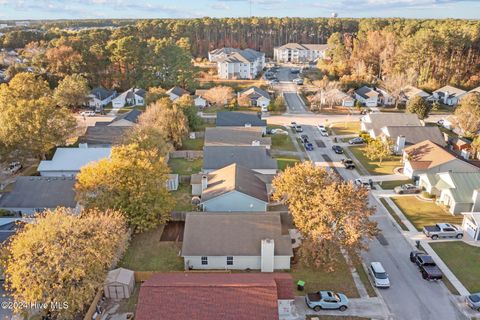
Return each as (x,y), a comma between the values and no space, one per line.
(133,180)
(325,213)
(154,94)
(419,106)
(187,105)
(128,55)
(63,60)
(468,113)
(72,91)
(278,105)
(30,121)
(378,149)
(64,258)
(395,85)
(219,95)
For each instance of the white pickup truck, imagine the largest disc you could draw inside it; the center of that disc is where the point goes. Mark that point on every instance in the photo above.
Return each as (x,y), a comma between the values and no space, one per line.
(443,230)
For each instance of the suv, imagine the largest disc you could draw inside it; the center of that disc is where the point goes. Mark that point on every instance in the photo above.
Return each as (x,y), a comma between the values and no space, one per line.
(379,275)
(348,164)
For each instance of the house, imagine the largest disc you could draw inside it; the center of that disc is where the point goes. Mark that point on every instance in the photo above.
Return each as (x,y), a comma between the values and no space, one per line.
(256,158)
(240,64)
(220,53)
(215,296)
(102,136)
(9,226)
(461,146)
(67,162)
(240,119)
(409,92)
(374,122)
(236,136)
(199,99)
(176,92)
(335,97)
(233,189)
(448,95)
(404,136)
(236,241)
(476,90)
(100,97)
(128,119)
(384,98)
(471,224)
(367,96)
(299,53)
(131,97)
(254,97)
(458,191)
(430,158)
(35,194)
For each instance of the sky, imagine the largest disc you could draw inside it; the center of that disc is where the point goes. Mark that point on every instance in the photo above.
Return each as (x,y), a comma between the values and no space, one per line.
(92,9)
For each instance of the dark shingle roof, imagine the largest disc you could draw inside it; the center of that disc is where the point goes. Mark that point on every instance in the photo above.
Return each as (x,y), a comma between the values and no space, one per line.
(101,93)
(178,91)
(131,116)
(239,119)
(102,135)
(249,157)
(255,92)
(366,92)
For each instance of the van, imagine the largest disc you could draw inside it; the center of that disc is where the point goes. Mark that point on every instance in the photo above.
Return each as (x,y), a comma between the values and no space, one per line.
(379,275)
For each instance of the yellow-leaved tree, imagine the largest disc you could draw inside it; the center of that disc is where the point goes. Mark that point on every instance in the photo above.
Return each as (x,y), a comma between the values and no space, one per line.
(62,259)
(132,180)
(331,214)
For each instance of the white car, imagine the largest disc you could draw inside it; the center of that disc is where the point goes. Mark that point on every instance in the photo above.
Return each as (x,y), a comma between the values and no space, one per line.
(323,132)
(379,275)
(364,183)
(89,113)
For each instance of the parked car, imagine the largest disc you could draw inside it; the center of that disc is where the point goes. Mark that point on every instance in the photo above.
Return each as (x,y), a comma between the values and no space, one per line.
(379,275)
(298,128)
(323,132)
(440,122)
(364,183)
(293,124)
(274,81)
(298,81)
(473,301)
(407,189)
(337,149)
(357,140)
(304,138)
(326,300)
(427,266)
(89,113)
(321,127)
(348,163)
(443,230)
(309,146)
(12,167)
(294,70)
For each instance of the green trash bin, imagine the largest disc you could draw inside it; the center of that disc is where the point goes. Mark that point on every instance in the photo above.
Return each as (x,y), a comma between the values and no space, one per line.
(301,285)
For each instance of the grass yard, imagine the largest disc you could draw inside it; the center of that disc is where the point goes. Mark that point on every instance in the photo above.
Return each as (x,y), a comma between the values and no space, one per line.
(422,213)
(375,167)
(284,162)
(147,253)
(185,167)
(463,260)
(300,144)
(183,196)
(393,214)
(192,144)
(342,128)
(362,273)
(388,185)
(282,142)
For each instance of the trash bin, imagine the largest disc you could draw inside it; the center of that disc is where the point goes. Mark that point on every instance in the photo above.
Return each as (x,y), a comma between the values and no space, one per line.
(300,285)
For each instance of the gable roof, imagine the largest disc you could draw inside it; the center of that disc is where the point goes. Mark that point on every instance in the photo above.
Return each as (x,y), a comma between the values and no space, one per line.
(460,184)
(40,192)
(239,119)
(72,159)
(130,94)
(119,275)
(452,91)
(233,234)
(427,154)
(178,91)
(366,92)
(213,296)
(255,92)
(304,46)
(235,136)
(476,90)
(379,120)
(235,177)
(415,134)
(131,116)
(410,91)
(249,157)
(244,56)
(96,135)
(102,93)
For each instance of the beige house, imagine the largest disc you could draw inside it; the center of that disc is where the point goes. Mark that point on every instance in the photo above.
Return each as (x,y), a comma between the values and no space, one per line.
(374,122)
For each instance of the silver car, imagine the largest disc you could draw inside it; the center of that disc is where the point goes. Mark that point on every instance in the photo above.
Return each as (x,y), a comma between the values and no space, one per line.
(379,275)
(473,301)
(407,189)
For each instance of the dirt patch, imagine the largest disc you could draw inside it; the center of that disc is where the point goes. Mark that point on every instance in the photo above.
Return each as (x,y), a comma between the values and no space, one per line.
(173,231)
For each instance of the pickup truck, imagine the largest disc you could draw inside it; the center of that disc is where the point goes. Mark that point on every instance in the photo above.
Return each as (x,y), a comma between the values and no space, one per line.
(427,266)
(443,230)
(326,300)
(348,164)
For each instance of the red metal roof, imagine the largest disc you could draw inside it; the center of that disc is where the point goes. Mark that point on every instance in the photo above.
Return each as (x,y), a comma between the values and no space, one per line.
(213,296)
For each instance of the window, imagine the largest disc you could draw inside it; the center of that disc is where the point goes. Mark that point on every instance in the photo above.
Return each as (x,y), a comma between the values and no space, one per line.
(204,261)
(229,261)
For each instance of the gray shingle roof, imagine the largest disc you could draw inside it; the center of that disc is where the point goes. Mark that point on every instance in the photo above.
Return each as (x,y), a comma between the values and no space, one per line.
(416,134)
(178,91)
(303,46)
(239,119)
(255,92)
(131,116)
(249,157)
(235,136)
(101,93)
(366,92)
(40,192)
(102,135)
(236,234)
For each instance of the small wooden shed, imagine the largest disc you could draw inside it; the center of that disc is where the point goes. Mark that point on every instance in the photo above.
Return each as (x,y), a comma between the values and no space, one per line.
(119,284)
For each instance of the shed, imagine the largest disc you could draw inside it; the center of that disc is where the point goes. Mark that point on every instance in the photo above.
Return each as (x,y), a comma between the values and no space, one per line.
(119,284)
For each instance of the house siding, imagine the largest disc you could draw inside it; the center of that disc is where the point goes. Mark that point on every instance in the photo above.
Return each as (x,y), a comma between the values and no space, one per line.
(234,201)
(455,165)
(239,263)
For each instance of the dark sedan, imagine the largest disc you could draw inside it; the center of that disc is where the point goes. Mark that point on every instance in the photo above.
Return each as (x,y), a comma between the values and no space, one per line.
(337,149)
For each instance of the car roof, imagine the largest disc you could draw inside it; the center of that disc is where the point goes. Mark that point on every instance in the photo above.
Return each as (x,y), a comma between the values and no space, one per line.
(377,267)
(425,258)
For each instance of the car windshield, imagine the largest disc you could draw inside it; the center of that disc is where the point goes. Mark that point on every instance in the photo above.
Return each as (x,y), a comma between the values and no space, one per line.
(475,298)
(337,297)
(381,275)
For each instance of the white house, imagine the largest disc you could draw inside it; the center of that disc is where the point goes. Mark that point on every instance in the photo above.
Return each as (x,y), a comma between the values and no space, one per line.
(471,224)
(335,97)
(448,95)
(131,97)
(255,97)
(241,64)
(373,123)
(176,92)
(100,97)
(299,53)
(199,99)
(384,97)
(236,241)
(367,96)
(409,92)
(67,162)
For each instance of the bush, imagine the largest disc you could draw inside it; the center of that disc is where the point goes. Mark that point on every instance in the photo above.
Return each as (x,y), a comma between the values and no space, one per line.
(365,136)
(428,195)
(6,213)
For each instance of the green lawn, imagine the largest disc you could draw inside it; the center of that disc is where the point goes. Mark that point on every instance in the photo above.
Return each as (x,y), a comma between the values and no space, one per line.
(342,128)
(375,167)
(463,260)
(205,125)
(284,162)
(422,213)
(183,195)
(184,166)
(147,253)
(299,141)
(192,144)
(282,142)
(362,273)
(393,214)
(392,184)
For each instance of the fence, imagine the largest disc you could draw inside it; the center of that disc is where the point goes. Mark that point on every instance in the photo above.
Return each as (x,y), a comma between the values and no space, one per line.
(93,307)
(186,154)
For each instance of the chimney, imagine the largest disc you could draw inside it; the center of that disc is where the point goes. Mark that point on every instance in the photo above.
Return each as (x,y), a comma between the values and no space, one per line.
(204,182)
(255,143)
(267,258)
(400,144)
(445,98)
